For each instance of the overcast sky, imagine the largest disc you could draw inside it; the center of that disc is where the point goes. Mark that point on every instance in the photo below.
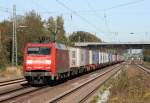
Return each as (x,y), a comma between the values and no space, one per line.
(111,20)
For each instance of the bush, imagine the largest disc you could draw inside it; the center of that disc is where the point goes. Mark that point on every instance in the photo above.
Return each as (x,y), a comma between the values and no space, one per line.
(147,58)
(2,66)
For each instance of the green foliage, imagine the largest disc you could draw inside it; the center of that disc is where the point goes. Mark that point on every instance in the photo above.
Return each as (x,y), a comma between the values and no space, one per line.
(120,83)
(51,24)
(31,31)
(5,30)
(3,58)
(60,32)
(31,28)
(146,53)
(56,30)
(2,65)
(81,36)
(33,21)
(147,58)
(95,99)
(132,88)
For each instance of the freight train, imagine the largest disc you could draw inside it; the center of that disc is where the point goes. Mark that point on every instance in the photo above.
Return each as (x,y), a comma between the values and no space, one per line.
(46,62)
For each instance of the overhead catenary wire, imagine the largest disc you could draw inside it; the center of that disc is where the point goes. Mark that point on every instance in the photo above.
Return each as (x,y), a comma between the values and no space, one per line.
(106,23)
(95,13)
(101,10)
(123,4)
(6,10)
(77,13)
(81,17)
(80,11)
(104,18)
(92,9)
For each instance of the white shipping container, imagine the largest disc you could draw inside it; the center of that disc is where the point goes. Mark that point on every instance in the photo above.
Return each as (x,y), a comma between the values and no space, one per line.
(90,56)
(100,57)
(82,57)
(107,58)
(72,57)
(78,57)
(114,57)
(104,59)
(86,56)
(80,61)
(95,57)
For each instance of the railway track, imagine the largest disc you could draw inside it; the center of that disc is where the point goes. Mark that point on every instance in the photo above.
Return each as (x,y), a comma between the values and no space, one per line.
(92,85)
(12,85)
(26,90)
(14,88)
(13,81)
(146,69)
(5,96)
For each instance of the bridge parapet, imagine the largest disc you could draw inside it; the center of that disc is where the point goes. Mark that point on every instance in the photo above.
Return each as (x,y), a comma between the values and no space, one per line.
(134,45)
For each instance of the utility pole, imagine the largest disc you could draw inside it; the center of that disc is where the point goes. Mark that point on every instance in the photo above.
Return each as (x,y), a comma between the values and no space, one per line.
(146,36)
(55,31)
(79,40)
(14,39)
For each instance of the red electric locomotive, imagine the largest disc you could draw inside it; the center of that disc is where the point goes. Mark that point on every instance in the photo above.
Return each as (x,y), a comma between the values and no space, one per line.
(44,62)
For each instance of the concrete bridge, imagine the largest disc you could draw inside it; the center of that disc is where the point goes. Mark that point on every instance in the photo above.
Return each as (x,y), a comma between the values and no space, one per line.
(121,45)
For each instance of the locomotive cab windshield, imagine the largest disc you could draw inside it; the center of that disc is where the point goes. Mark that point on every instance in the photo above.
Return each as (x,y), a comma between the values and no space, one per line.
(38,58)
(39,51)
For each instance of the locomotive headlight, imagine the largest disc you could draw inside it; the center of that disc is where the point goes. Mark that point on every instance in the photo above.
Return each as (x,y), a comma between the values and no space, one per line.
(47,61)
(29,62)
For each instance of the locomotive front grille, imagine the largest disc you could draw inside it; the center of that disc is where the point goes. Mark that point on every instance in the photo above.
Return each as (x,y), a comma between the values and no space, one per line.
(38,73)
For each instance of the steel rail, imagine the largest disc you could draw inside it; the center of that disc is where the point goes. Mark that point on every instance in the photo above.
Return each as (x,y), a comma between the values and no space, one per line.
(61,96)
(97,88)
(144,68)
(18,93)
(9,82)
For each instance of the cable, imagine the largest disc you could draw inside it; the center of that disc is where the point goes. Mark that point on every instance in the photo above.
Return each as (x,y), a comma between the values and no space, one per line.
(95,13)
(104,19)
(85,20)
(92,9)
(6,10)
(124,4)
(106,23)
(81,11)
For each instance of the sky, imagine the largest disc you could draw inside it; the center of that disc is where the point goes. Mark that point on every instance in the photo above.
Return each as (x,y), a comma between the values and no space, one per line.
(110,20)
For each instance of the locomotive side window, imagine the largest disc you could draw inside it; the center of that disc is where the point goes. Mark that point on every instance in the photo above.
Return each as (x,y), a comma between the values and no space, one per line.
(39,51)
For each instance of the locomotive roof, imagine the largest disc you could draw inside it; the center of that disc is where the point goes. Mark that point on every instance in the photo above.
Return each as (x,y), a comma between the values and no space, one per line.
(39,44)
(61,46)
(57,45)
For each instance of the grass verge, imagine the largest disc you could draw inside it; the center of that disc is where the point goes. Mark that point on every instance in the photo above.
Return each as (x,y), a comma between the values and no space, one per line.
(130,86)
(11,72)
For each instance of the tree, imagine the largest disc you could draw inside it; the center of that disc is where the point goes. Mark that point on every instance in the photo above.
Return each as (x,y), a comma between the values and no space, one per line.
(60,32)
(82,36)
(51,27)
(30,29)
(56,28)
(51,24)
(5,42)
